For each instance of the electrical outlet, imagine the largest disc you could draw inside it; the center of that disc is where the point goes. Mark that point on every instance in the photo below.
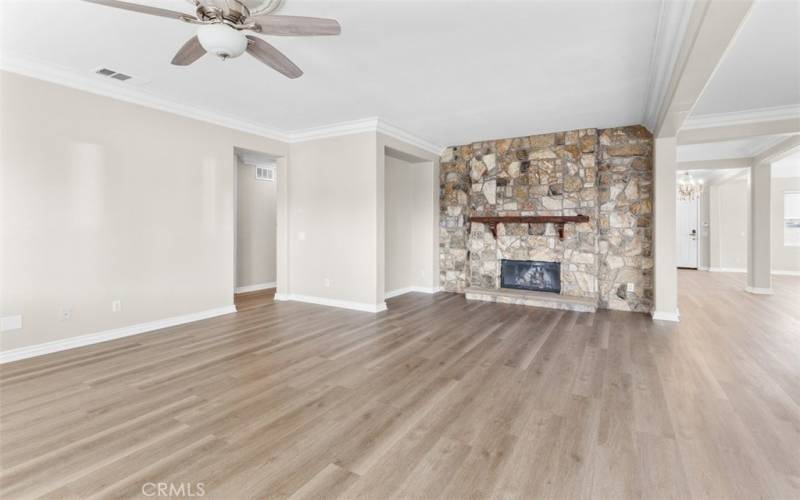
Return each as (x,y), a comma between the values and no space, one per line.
(66,313)
(116,306)
(631,288)
(8,323)
(326,282)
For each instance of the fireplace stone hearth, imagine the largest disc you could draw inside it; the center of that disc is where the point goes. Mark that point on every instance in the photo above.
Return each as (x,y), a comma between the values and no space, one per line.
(529,298)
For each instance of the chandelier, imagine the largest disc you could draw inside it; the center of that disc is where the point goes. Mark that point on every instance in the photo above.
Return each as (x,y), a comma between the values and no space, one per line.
(689,188)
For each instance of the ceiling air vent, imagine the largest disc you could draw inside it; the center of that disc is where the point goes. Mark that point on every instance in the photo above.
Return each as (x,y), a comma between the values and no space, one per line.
(116,75)
(265,174)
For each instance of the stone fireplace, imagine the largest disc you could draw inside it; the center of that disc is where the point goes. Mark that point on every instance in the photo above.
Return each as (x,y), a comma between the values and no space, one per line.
(602,174)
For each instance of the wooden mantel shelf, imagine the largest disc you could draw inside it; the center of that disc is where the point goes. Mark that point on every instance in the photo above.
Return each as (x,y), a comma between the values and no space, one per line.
(558,220)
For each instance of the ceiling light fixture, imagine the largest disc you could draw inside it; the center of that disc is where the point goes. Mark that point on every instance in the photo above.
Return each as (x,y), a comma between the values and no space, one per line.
(689,188)
(222,40)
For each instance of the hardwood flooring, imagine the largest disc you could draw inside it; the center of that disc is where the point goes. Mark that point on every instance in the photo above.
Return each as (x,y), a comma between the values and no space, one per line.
(436,398)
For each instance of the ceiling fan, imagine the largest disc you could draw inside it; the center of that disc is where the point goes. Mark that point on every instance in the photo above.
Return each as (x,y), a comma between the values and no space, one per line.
(220,31)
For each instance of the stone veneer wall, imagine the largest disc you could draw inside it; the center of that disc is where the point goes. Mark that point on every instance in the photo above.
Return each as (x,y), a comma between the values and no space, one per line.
(605,174)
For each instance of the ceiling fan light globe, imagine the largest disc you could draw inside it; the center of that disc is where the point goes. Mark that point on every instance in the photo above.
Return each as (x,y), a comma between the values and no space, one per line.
(222,40)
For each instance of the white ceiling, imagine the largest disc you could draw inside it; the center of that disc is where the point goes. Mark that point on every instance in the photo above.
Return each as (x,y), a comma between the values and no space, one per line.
(762,67)
(787,167)
(450,72)
(743,148)
(715,176)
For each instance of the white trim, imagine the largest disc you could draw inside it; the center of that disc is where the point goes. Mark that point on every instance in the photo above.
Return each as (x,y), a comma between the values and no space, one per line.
(255,288)
(408,138)
(727,270)
(334,130)
(741,117)
(778,149)
(281,297)
(135,95)
(409,289)
(758,291)
(89,82)
(673,18)
(665,316)
(116,333)
(786,273)
(373,124)
(776,272)
(702,268)
(343,304)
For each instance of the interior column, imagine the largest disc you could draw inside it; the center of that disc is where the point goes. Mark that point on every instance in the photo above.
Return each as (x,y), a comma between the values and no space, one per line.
(665,232)
(759,243)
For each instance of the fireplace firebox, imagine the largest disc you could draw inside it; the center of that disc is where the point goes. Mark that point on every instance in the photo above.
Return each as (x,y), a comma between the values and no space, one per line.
(531,275)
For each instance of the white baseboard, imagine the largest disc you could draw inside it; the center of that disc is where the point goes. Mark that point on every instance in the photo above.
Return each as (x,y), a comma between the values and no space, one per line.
(281,296)
(702,268)
(116,333)
(408,289)
(759,291)
(343,304)
(776,272)
(254,288)
(665,316)
(727,270)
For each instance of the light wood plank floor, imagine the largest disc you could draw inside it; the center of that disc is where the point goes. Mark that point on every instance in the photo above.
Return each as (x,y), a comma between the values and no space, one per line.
(436,398)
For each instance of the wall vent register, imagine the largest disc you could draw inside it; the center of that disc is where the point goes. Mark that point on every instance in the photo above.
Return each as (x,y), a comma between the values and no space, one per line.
(265,174)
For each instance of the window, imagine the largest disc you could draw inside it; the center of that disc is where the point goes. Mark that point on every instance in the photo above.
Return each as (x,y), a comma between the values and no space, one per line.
(791,218)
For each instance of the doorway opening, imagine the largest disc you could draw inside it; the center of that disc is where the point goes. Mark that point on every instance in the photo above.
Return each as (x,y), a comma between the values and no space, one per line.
(411,224)
(256,206)
(712,225)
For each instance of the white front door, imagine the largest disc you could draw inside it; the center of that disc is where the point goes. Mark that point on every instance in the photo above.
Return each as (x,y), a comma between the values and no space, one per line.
(687,233)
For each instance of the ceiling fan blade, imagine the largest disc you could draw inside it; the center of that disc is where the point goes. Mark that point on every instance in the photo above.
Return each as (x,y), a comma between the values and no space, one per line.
(189,53)
(296,25)
(272,57)
(143,9)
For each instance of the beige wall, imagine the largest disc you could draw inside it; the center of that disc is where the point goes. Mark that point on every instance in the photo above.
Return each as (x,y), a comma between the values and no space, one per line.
(104,200)
(728,204)
(408,224)
(703,230)
(332,217)
(256,232)
(783,258)
(399,229)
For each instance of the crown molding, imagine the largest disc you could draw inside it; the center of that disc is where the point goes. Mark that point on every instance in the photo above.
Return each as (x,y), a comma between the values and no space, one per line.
(136,95)
(373,124)
(334,130)
(673,19)
(742,117)
(408,138)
